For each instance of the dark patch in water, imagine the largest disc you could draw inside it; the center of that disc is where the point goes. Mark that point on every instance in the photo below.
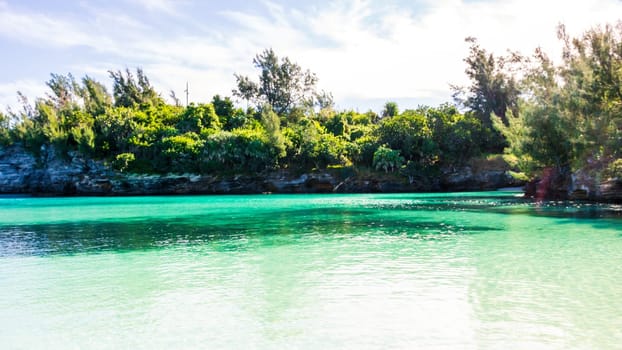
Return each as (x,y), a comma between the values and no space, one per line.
(337,221)
(94,237)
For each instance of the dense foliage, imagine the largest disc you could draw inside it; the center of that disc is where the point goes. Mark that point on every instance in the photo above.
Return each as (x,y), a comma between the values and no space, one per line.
(570,116)
(493,90)
(290,126)
(544,114)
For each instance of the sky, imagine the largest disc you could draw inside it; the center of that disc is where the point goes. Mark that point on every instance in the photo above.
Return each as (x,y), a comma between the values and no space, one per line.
(365,52)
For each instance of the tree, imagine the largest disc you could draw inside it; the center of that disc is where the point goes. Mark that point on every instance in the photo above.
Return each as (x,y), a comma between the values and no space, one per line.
(223,106)
(95,96)
(63,89)
(132,92)
(458,136)
(337,124)
(311,145)
(387,159)
(493,89)
(408,133)
(390,110)
(197,117)
(363,149)
(61,119)
(183,150)
(272,125)
(123,161)
(592,76)
(114,130)
(283,85)
(572,112)
(325,100)
(241,149)
(5,135)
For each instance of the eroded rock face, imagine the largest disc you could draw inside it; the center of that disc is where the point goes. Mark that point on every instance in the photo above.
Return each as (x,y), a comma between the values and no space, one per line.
(580,185)
(611,190)
(283,182)
(51,174)
(465,179)
(17,170)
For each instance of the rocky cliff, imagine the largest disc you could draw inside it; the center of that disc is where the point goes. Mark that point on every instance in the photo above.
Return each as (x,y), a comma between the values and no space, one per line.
(583,184)
(50,174)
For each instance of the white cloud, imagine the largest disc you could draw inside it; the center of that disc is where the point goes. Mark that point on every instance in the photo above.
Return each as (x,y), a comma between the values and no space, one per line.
(30,88)
(414,55)
(167,6)
(360,50)
(39,29)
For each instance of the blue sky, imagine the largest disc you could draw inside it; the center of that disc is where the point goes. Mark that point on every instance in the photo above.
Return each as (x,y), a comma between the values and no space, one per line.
(364,52)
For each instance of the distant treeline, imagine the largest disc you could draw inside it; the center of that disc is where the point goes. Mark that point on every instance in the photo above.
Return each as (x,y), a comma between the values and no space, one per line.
(541,113)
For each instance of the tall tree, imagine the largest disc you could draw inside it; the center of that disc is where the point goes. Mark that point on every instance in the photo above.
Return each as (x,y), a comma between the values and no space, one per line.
(5,127)
(223,106)
(95,96)
(130,91)
(272,125)
(571,113)
(283,85)
(390,110)
(64,89)
(409,133)
(493,89)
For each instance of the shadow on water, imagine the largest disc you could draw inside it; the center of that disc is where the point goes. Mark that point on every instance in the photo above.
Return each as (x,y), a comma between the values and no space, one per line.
(564,210)
(516,206)
(400,216)
(229,234)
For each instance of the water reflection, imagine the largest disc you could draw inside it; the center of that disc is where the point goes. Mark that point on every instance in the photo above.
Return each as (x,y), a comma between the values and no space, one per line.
(93,237)
(368,271)
(417,217)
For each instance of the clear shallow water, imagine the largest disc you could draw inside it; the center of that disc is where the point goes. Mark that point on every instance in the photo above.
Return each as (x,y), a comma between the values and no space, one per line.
(440,271)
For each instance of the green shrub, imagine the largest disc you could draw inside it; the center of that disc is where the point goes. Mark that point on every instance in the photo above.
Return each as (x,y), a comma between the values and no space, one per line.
(123,161)
(387,159)
(614,170)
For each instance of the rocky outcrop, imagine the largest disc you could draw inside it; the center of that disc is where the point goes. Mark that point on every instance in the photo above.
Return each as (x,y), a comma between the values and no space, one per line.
(580,185)
(465,179)
(51,174)
(284,182)
(22,172)
(17,170)
(611,190)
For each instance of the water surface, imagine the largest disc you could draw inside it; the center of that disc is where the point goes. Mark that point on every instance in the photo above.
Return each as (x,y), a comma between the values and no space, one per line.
(440,271)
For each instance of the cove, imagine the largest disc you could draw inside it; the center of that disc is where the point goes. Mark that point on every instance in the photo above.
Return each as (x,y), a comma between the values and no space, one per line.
(482,270)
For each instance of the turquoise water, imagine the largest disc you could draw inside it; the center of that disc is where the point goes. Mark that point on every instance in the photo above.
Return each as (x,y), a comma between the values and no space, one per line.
(431,271)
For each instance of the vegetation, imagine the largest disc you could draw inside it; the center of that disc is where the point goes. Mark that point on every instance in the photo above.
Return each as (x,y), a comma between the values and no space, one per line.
(493,90)
(289,126)
(283,85)
(570,114)
(542,113)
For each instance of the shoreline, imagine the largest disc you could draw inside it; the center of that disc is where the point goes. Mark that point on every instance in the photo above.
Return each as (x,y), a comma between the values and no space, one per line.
(50,175)
(518,193)
(21,173)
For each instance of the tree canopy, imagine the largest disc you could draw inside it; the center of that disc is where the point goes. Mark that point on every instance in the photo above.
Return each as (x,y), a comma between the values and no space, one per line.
(283,84)
(562,115)
(571,113)
(493,90)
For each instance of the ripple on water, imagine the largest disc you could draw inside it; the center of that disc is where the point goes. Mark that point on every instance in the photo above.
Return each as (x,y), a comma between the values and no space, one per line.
(354,271)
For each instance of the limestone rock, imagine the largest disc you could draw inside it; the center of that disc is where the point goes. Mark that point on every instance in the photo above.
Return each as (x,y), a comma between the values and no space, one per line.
(464,179)
(611,191)
(72,174)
